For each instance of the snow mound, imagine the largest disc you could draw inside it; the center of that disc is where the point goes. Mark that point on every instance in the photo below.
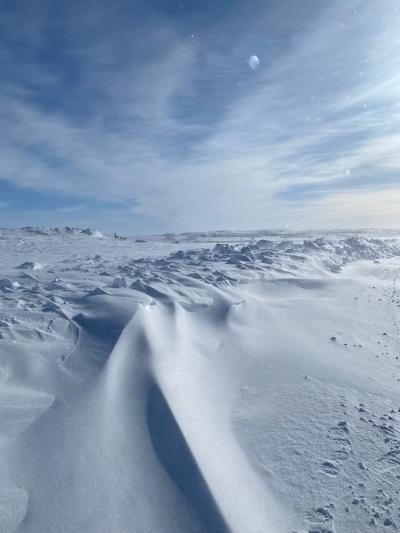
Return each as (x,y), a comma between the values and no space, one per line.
(119,283)
(98,291)
(30,265)
(92,233)
(6,284)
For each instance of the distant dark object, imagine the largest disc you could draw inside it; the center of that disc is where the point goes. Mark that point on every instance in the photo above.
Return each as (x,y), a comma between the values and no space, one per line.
(119,237)
(140,240)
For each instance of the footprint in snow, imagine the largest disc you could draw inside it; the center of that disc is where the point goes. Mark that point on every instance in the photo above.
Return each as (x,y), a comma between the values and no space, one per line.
(330,468)
(320,520)
(339,455)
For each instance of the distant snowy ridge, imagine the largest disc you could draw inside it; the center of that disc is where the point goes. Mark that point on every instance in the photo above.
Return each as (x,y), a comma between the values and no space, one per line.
(35,230)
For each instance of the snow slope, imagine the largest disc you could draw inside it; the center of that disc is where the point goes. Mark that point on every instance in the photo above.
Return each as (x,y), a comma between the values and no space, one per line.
(244,382)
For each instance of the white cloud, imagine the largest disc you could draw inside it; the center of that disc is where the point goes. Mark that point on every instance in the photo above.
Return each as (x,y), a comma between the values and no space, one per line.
(301,121)
(371,208)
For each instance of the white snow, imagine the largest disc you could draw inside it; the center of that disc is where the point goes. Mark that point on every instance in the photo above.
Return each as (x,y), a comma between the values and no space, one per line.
(210,382)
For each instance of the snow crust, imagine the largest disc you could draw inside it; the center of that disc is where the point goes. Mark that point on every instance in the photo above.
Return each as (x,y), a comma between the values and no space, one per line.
(214,382)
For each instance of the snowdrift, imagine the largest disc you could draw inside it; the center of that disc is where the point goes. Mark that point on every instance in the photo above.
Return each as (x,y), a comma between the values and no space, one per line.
(180,384)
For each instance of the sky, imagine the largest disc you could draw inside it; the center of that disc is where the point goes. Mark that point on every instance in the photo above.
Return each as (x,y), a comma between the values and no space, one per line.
(146,116)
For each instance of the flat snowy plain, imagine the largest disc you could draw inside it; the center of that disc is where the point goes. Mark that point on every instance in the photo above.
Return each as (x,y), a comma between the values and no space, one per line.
(214,382)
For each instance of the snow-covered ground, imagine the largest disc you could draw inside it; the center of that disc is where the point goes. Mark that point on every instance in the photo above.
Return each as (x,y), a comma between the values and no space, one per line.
(244,382)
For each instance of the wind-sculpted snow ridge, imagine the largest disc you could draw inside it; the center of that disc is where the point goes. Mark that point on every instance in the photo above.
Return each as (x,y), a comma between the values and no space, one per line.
(228,264)
(179,384)
(339,252)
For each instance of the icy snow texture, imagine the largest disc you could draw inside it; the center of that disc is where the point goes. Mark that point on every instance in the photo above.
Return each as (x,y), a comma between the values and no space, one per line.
(244,382)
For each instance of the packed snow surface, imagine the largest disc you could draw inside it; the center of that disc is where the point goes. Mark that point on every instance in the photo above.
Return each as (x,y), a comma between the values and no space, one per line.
(212,382)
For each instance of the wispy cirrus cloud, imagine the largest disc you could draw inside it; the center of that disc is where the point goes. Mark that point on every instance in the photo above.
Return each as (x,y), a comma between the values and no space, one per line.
(161,117)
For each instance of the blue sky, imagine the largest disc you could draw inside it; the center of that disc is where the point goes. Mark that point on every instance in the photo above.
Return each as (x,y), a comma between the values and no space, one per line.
(146,117)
